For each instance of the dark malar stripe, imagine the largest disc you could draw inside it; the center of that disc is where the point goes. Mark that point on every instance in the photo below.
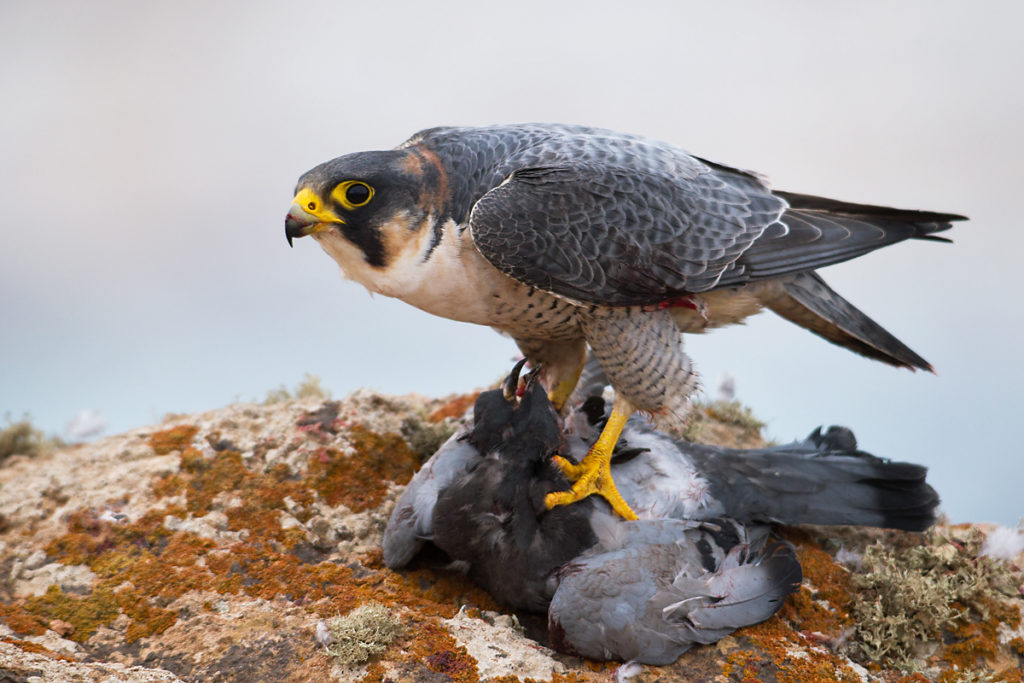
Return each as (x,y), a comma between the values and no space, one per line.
(436,235)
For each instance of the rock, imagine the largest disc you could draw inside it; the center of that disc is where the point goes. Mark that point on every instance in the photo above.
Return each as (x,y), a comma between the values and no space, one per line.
(70,579)
(61,628)
(211,547)
(499,649)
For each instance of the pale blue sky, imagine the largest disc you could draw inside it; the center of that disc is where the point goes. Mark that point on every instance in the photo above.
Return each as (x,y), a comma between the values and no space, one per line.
(148,153)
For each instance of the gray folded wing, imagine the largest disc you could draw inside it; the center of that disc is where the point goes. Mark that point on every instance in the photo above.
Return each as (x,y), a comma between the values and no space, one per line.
(412,520)
(650,600)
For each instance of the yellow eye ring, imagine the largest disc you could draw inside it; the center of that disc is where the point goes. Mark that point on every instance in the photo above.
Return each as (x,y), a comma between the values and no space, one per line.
(352,194)
(311,206)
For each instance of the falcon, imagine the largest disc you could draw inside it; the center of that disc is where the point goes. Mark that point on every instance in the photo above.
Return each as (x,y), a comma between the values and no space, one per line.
(565,237)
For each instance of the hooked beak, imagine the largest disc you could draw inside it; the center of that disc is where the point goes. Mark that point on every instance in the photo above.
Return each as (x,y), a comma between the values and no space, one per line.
(308,215)
(298,223)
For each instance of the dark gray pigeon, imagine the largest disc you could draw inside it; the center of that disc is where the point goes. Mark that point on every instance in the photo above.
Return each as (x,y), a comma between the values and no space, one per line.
(493,517)
(412,520)
(483,429)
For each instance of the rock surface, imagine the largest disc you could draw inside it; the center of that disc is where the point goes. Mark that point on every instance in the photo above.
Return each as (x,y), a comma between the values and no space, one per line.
(210,547)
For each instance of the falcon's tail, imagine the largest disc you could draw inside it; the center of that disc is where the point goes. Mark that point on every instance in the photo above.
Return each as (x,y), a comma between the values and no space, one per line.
(806,300)
(819,232)
(821,480)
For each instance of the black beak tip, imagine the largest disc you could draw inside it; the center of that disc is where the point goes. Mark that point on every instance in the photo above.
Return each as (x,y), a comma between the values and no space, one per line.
(292,229)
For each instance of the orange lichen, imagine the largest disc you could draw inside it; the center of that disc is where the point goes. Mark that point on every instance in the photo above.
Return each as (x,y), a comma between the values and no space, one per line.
(426,649)
(1017,645)
(86,614)
(147,619)
(790,643)
(435,646)
(806,614)
(976,642)
(570,677)
(788,655)
(36,649)
(169,485)
(742,663)
(21,621)
(1010,675)
(912,678)
(262,495)
(145,564)
(455,407)
(556,677)
(223,472)
(451,590)
(359,481)
(829,582)
(173,439)
(374,673)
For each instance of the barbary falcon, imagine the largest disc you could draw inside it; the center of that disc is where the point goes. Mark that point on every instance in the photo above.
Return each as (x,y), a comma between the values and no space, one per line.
(567,236)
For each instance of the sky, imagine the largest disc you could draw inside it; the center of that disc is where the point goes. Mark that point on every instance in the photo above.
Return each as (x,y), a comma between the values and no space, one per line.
(148,153)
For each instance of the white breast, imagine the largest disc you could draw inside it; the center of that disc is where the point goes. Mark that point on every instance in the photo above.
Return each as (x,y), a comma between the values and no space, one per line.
(455,282)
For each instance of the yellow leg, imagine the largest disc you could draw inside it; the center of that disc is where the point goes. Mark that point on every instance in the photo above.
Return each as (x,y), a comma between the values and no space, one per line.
(563,389)
(561,363)
(593,474)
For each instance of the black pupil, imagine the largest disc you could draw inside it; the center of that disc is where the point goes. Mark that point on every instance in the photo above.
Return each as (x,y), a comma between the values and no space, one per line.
(357,194)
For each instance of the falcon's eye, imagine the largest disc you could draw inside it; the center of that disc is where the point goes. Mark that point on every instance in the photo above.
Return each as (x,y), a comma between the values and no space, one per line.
(352,194)
(357,194)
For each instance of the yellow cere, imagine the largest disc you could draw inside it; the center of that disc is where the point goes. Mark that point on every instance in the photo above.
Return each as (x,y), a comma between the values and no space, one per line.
(308,201)
(340,194)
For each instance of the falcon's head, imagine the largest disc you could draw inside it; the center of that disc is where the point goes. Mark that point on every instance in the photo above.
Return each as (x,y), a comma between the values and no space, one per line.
(369,206)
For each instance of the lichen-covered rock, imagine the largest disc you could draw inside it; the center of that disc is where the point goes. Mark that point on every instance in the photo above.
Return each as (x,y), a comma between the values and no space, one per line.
(220,546)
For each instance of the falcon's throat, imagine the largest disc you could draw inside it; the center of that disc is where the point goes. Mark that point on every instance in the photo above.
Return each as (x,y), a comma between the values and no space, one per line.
(446,278)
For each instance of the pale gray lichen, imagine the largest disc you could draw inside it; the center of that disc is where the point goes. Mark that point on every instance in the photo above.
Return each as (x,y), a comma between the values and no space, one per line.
(905,599)
(363,633)
(734,413)
(21,438)
(707,419)
(309,387)
(426,437)
(976,677)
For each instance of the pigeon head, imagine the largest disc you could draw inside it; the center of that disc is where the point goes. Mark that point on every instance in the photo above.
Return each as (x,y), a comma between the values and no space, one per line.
(520,417)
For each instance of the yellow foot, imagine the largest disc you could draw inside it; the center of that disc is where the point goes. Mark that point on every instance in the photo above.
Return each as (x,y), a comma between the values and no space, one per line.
(560,393)
(592,475)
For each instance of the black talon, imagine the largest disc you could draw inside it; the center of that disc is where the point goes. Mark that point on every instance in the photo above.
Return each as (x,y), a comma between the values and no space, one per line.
(511,386)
